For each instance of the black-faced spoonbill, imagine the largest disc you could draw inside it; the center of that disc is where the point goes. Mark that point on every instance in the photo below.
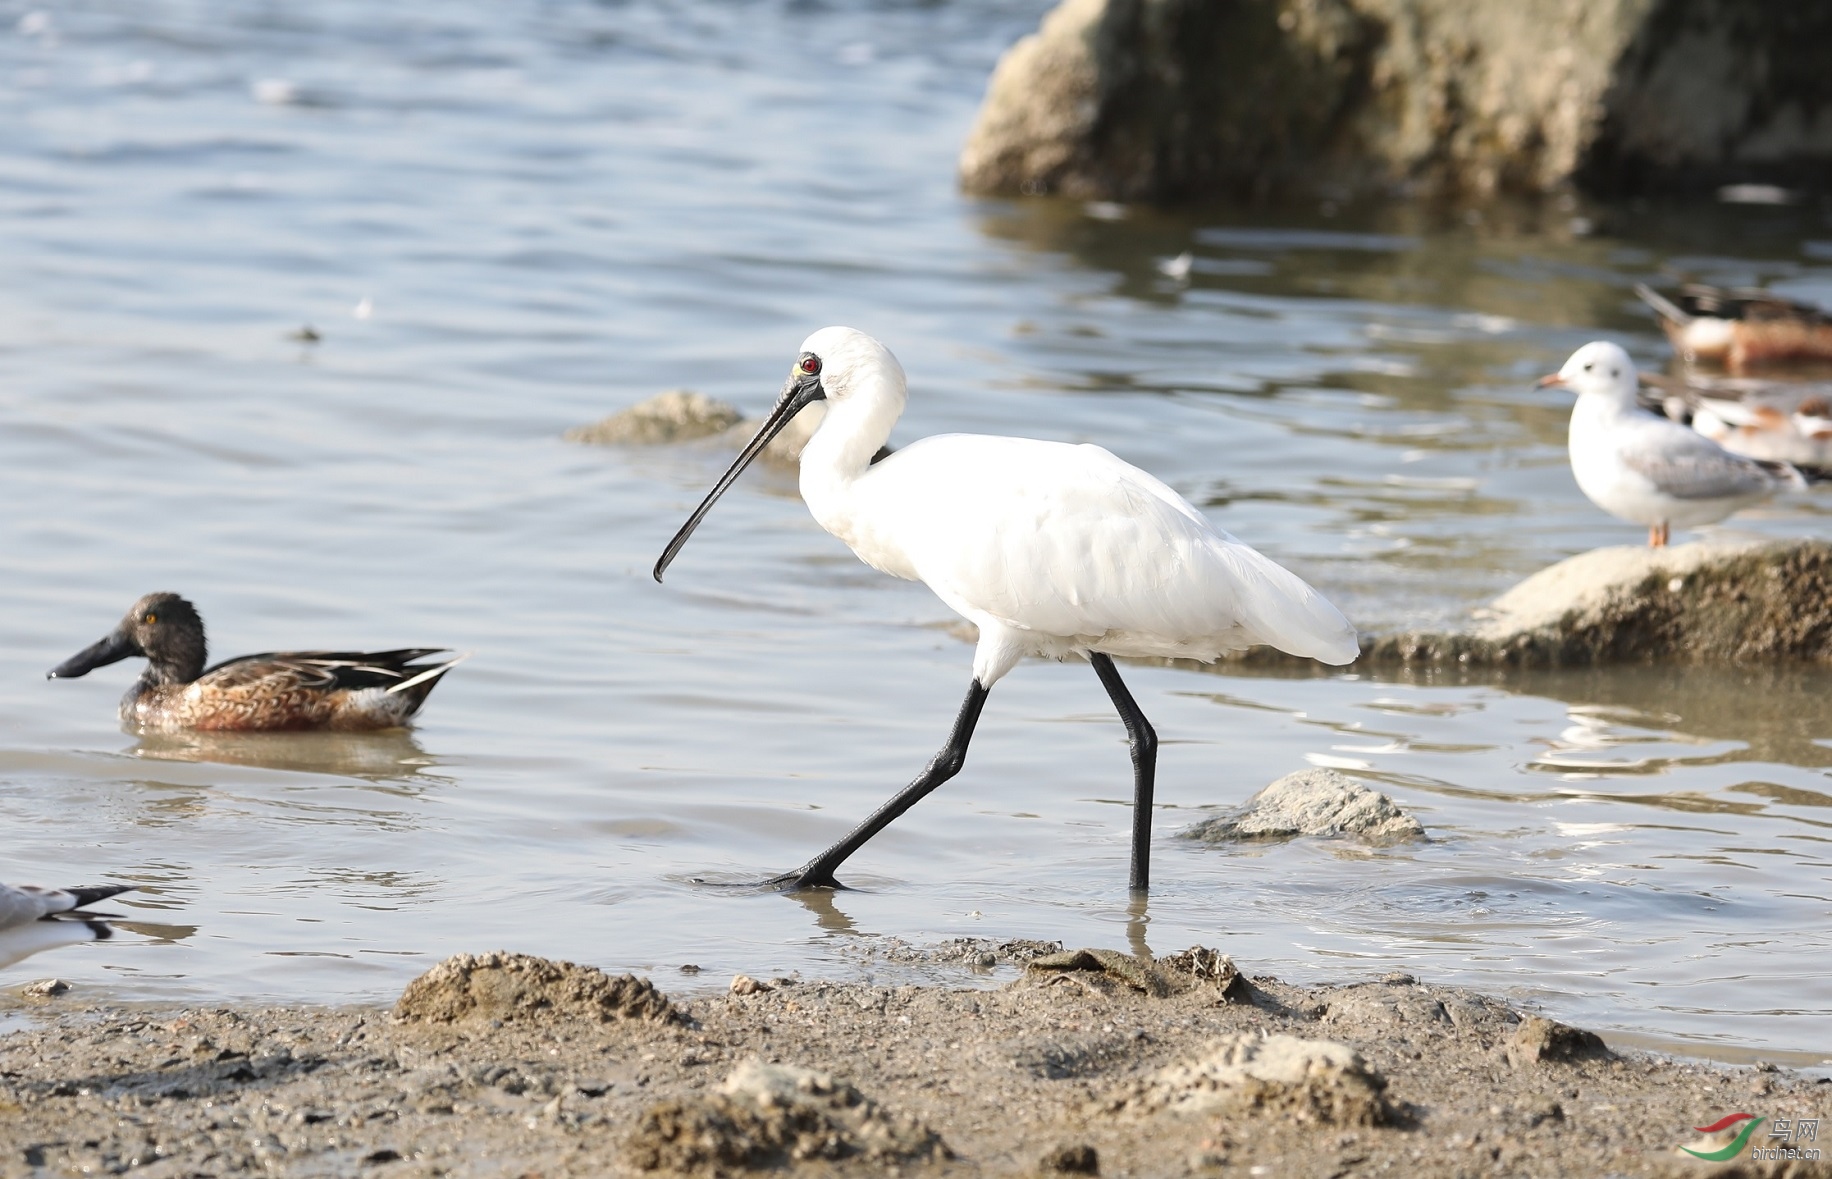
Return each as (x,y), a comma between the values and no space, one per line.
(34,919)
(1049,548)
(1645,468)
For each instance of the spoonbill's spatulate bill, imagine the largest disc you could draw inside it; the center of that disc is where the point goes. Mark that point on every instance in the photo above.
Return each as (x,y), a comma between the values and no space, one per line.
(34,919)
(1645,468)
(1048,548)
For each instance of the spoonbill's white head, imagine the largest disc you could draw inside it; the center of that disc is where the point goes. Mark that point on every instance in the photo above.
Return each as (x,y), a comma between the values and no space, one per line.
(1598,369)
(849,363)
(858,378)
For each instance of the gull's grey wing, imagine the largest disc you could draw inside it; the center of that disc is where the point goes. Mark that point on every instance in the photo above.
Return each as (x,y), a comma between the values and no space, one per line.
(1687,465)
(22,904)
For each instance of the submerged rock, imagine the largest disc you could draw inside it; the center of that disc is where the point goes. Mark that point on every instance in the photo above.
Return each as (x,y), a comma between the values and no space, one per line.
(522,988)
(767,1116)
(1312,802)
(1726,599)
(681,415)
(1167,99)
(1312,1080)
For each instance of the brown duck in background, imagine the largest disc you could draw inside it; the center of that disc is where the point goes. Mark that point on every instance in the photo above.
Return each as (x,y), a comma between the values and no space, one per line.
(1768,420)
(1741,328)
(344,690)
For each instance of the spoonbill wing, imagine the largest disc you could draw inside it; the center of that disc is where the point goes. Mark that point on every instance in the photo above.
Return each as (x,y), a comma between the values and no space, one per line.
(1070,541)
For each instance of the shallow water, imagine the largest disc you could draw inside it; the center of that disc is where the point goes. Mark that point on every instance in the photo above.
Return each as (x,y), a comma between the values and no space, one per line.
(505,221)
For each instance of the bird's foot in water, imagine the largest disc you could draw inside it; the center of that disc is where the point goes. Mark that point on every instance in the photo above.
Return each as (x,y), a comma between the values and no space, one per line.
(814,875)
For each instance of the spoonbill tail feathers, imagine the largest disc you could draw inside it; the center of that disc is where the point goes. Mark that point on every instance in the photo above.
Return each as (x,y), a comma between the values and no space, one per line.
(1049,548)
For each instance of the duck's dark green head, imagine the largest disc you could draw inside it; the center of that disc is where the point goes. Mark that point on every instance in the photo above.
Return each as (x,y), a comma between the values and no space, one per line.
(163,627)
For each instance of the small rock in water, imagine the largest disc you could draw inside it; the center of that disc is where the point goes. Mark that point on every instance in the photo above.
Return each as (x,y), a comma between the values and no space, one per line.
(46,988)
(675,416)
(1313,802)
(681,415)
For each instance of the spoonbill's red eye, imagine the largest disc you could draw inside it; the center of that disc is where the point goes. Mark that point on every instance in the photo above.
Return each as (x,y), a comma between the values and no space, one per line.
(811,365)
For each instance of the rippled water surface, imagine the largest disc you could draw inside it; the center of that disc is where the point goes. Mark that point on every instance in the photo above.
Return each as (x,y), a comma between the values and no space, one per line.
(505,220)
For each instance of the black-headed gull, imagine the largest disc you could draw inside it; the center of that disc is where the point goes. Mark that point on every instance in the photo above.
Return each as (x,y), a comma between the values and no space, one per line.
(1644,468)
(34,918)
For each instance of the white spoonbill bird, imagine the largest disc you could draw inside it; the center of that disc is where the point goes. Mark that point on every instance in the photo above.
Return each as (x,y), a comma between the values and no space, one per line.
(1048,548)
(34,918)
(1645,468)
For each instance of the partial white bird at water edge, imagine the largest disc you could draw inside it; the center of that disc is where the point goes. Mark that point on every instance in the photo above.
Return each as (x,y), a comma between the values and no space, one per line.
(34,919)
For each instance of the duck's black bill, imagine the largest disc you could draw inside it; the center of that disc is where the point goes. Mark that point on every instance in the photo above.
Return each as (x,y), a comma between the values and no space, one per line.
(800,392)
(112,649)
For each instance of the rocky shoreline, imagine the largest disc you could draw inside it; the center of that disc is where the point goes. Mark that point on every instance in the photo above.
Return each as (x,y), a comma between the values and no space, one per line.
(1090,1062)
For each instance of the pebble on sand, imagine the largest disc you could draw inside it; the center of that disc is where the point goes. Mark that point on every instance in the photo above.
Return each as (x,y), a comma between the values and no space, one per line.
(1312,1080)
(1539,1040)
(772,1115)
(1313,802)
(507,988)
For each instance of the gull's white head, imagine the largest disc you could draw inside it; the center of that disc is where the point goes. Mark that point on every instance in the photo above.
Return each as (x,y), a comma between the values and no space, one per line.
(1599,368)
(848,361)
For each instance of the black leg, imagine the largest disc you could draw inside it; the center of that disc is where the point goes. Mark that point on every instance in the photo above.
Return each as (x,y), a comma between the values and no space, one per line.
(818,872)
(1144,765)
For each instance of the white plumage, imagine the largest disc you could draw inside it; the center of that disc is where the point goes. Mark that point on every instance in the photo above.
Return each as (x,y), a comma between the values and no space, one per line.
(1645,468)
(1048,548)
(34,919)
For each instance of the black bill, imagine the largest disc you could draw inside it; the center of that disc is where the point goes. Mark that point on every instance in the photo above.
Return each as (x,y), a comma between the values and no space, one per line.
(801,390)
(113,649)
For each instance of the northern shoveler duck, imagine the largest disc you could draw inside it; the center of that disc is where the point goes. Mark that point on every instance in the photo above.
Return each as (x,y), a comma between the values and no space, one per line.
(1774,421)
(1640,466)
(1741,328)
(34,918)
(272,691)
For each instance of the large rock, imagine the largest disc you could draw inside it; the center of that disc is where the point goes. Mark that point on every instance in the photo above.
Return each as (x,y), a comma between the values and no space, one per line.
(1166,99)
(1727,599)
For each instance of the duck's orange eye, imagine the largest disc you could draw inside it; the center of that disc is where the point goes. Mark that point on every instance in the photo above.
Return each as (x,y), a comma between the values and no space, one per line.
(811,365)
(150,619)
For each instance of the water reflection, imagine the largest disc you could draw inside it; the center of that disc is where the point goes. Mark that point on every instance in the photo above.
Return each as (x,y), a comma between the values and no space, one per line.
(823,903)
(391,756)
(1772,714)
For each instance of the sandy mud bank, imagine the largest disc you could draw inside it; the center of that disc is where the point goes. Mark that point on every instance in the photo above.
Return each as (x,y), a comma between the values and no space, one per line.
(1090,1062)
